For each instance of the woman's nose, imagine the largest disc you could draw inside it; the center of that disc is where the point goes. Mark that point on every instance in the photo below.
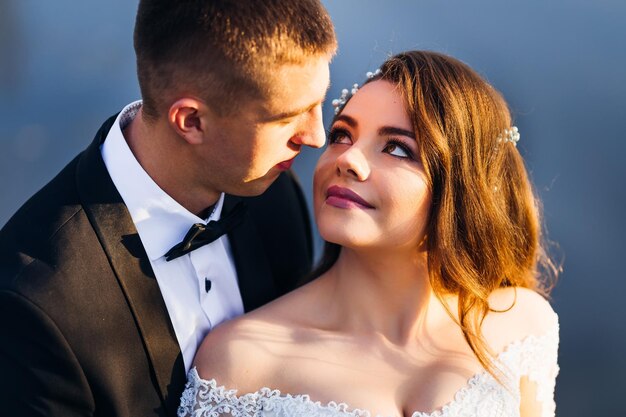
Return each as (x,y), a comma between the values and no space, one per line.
(353,162)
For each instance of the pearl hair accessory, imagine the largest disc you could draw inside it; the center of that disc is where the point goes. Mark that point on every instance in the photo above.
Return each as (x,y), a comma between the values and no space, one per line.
(338,103)
(510,135)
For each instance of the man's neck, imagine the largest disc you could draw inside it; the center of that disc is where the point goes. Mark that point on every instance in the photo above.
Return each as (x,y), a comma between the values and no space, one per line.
(161,155)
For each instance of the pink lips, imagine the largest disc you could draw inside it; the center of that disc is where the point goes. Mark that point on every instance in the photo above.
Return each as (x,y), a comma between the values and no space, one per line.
(285,165)
(345,198)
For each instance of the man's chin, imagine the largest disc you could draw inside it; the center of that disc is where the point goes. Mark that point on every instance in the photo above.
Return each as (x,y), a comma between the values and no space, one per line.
(254,188)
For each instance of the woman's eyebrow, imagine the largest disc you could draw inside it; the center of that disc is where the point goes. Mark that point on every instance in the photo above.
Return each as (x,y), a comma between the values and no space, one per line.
(347,119)
(390,130)
(383,131)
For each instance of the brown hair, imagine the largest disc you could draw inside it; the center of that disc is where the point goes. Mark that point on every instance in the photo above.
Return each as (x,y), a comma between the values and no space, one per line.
(484,230)
(223,50)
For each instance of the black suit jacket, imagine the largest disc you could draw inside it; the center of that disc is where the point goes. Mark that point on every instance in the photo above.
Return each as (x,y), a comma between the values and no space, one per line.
(83,326)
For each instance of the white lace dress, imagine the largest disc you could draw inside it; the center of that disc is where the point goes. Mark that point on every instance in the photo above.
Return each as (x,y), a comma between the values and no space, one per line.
(534,357)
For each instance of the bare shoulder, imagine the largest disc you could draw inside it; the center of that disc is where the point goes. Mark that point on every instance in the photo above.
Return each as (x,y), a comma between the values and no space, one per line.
(517,313)
(241,353)
(522,302)
(247,352)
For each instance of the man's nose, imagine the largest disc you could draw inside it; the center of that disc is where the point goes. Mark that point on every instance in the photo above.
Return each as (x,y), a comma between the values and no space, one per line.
(312,129)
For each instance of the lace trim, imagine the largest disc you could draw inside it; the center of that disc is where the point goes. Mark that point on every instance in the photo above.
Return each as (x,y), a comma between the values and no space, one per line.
(203,398)
(533,356)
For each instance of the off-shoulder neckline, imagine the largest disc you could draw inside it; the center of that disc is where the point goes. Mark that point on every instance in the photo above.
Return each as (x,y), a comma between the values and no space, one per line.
(459,396)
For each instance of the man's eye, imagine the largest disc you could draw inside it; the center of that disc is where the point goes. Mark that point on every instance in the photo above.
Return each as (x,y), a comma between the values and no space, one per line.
(397,149)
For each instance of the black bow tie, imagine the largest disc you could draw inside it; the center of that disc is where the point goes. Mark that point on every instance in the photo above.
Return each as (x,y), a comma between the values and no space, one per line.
(203,234)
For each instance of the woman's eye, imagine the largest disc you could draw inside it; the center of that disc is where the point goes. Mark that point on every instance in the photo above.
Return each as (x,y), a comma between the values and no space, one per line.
(339,136)
(397,149)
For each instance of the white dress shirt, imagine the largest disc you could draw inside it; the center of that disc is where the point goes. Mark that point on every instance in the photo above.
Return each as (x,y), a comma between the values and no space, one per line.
(200,289)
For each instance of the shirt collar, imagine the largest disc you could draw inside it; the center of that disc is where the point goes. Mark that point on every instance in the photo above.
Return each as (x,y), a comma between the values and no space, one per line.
(159,219)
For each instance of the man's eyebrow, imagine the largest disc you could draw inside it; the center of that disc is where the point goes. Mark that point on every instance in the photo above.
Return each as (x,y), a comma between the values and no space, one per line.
(383,131)
(293,113)
(297,112)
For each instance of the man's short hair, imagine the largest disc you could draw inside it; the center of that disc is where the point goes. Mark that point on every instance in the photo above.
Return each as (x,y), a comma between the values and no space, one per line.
(223,50)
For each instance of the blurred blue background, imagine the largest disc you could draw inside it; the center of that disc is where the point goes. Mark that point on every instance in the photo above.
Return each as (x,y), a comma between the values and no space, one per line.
(65,66)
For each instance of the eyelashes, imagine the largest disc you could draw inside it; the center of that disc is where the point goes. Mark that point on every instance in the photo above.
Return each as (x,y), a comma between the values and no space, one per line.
(336,134)
(393,146)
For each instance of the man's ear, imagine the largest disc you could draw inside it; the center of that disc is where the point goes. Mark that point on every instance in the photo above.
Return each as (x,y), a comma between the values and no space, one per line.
(187,117)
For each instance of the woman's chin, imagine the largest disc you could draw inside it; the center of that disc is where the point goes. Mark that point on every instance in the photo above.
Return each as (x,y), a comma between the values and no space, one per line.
(345,238)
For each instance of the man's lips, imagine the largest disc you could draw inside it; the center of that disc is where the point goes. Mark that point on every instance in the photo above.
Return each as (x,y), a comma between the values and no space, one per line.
(345,198)
(285,165)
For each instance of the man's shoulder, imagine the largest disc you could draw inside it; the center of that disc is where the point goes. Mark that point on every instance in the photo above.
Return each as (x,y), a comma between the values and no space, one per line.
(35,231)
(58,192)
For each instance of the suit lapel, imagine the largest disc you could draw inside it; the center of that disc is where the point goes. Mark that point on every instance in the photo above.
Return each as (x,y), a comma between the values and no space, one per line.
(120,240)
(253,270)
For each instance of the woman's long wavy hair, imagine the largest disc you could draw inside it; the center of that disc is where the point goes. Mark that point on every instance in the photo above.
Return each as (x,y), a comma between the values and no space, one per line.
(484,230)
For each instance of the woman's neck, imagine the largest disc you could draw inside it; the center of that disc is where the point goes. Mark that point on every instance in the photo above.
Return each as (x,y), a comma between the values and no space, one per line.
(387,294)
